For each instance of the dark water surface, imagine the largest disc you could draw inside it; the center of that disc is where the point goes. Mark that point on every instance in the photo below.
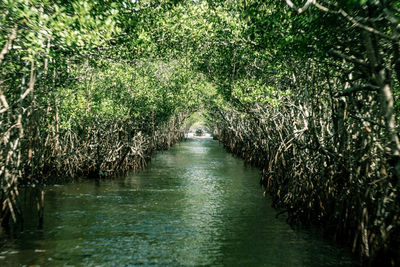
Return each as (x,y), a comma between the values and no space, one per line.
(192,205)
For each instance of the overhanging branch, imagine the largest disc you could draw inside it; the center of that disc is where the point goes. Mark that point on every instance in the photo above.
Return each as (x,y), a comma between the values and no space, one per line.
(302,9)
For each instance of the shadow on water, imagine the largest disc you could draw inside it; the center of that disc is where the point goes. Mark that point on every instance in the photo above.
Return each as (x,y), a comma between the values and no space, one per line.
(193,205)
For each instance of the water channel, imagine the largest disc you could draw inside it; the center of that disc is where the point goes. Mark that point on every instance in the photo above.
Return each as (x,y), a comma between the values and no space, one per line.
(193,205)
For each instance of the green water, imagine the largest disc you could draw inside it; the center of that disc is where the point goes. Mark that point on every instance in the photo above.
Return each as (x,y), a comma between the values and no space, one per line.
(193,205)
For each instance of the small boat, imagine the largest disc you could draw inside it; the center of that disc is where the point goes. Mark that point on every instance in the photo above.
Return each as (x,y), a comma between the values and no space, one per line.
(199,132)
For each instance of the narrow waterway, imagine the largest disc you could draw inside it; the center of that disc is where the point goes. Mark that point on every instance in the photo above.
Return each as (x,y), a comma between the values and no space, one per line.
(193,205)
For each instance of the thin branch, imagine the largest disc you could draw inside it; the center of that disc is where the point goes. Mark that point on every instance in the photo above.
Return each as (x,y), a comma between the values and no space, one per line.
(344,14)
(6,47)
(364,27)
(31,82)
(367,120)
(3,101)
(363,87)
(300,10)
(352,59)
(325,9)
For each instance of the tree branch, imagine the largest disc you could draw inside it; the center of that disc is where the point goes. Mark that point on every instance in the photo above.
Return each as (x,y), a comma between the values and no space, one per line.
(364,27)
(6,47)
(352,59)
(300,10)
(363,87)
(345,15)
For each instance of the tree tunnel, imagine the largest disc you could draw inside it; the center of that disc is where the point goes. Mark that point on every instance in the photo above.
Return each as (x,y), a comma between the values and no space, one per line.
(308,92)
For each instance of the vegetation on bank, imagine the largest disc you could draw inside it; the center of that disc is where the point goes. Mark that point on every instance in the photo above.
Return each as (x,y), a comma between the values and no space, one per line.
(316,111)
(306,90)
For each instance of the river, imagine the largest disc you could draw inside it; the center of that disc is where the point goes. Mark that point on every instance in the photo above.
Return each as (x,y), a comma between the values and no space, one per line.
(195,204)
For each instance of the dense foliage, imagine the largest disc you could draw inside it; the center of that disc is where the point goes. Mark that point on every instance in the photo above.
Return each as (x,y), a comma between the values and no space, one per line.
(306,90)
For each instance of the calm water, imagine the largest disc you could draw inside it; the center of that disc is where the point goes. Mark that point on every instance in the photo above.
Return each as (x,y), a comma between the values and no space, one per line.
(193,205)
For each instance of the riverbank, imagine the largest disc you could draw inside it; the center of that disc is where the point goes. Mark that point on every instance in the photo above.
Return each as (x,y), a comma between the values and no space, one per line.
(313,186)
(110,149)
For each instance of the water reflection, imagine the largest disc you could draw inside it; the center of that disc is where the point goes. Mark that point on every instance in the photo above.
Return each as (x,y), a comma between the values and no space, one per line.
(193,205)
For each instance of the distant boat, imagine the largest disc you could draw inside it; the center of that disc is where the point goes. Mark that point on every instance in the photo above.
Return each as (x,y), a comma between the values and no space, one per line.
(200,132)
